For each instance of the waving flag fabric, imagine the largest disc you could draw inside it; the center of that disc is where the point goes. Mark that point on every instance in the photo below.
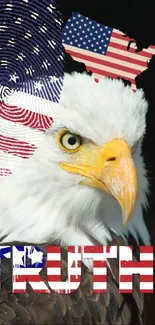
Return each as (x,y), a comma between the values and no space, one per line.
(104,49)
(31,75)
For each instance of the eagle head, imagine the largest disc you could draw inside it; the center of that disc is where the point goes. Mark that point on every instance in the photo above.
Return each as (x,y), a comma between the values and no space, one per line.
(87,176)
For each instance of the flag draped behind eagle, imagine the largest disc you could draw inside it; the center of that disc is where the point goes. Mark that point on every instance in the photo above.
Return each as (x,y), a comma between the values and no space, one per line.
(32,64)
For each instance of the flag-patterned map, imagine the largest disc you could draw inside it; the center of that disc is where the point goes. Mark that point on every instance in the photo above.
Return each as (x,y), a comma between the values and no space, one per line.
(103,50)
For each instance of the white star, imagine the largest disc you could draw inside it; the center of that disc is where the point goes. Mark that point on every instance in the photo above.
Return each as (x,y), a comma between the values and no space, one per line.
(13,77)
(20,56)
(29,70)
(17,256)
(28,35)
(9,6)
(46,64)
(50,7)
(36,49)
(38,85)
(36,257)
(53,78)
(18,21)
(34,15)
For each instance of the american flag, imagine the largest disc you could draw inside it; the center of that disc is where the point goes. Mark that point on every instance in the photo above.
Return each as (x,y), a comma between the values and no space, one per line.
(23,271)
(31,76)
(104,49)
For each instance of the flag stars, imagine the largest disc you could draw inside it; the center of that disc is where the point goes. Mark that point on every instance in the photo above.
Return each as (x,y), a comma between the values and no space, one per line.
(14,77)
(34,15)
(52,43)
(20,56)
(28,35)
(36,49)
(36,257)
(29,70)
(51,7)
(46,64)
(9,6)
(38,85)
(43,29)
(18,21)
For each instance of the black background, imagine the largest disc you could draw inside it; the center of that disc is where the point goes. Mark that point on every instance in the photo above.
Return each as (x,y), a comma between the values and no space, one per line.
(135,19)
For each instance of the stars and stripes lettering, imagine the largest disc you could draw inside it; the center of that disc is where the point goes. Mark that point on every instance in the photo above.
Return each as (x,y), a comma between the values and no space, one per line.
(144,268)
(100,254)
(28,262)
(24,272)
(54,269)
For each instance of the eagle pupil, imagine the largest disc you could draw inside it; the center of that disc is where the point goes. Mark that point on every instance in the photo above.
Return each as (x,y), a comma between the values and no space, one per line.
(72,141)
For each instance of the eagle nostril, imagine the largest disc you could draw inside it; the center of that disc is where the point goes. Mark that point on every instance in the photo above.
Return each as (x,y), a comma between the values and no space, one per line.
(111,159)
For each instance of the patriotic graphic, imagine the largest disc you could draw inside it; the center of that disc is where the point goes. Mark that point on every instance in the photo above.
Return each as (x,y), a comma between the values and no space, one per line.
(144,267)
(54,269)
(103,49)
(23,271)
(31,76)
(5,251)
(28,261)
(100,264)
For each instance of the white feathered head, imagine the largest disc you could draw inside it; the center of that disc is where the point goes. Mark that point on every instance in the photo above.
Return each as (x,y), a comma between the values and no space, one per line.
(87,176)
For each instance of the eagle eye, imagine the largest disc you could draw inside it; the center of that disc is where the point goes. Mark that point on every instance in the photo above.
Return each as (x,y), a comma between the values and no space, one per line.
(70,141)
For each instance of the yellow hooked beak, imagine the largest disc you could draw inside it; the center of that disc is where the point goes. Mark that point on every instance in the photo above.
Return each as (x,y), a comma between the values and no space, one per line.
(110,169)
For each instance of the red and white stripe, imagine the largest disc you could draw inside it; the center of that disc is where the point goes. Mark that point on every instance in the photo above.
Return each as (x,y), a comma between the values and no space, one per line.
(54,269)
(100,254)
(144,267)
(23,122)
(26,274)
(118,62)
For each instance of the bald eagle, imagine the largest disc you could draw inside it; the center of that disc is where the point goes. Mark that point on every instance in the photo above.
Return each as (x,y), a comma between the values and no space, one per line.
(86,184)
